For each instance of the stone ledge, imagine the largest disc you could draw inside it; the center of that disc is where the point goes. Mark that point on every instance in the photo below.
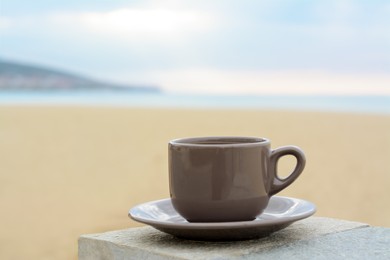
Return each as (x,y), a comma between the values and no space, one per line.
(312,237)
(363,243)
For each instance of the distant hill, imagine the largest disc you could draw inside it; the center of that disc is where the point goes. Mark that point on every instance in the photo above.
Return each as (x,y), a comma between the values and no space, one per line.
(17,76)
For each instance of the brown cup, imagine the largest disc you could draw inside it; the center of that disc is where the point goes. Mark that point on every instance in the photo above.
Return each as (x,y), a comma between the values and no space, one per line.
(220,179)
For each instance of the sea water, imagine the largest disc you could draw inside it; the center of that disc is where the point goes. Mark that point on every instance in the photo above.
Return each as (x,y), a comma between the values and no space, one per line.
(361,104)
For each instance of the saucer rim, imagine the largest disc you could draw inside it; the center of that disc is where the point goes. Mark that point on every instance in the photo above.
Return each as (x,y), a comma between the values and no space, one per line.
(231,225)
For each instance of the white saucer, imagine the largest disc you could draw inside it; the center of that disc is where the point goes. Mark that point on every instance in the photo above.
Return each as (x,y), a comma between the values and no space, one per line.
(280,213)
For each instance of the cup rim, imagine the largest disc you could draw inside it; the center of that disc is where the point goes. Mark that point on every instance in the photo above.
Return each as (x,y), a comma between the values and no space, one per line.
(220,141)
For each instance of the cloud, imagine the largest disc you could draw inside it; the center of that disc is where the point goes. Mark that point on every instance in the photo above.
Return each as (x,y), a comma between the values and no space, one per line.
(141,21)
(271,82)
(132,24)
(5,23)
(137,23)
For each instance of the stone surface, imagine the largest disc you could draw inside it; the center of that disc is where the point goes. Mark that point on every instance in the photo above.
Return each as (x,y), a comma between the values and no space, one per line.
(314,237)
(363,243)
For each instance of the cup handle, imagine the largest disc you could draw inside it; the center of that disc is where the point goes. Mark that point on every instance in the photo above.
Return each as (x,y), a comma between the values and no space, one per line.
(278,183)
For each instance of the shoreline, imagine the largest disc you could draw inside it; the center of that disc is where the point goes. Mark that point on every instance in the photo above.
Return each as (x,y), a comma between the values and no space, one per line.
(333,103)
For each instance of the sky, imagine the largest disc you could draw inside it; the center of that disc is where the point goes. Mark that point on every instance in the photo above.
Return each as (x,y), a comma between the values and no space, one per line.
(202,46)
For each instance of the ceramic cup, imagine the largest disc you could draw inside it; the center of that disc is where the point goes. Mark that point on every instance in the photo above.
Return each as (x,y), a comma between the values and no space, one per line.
(220,179)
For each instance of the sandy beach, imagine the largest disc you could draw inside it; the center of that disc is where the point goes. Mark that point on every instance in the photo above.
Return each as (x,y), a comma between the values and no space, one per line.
(67,171)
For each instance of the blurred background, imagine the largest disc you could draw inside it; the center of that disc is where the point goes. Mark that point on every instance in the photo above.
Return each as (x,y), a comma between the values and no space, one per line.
(92,91)
(260,47)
